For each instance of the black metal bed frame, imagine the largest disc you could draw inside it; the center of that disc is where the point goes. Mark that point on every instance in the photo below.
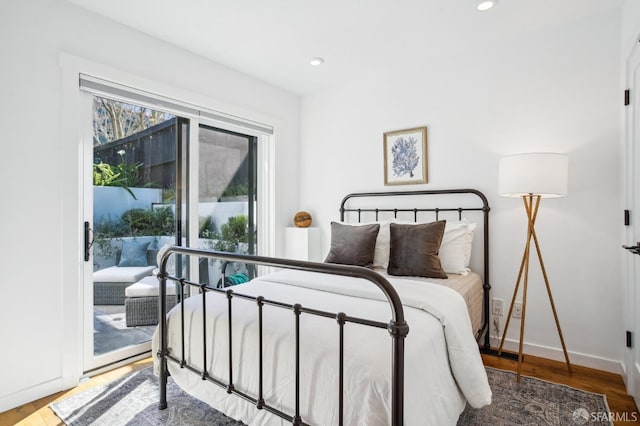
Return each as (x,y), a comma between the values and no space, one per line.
(397,326)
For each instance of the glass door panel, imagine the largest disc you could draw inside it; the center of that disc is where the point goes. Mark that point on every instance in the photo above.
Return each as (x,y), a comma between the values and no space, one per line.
(135,174)
(226,201)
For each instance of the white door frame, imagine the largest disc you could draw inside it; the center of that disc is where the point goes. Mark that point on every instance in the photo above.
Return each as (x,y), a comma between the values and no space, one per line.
(631,162)
(95,363)
(73,155)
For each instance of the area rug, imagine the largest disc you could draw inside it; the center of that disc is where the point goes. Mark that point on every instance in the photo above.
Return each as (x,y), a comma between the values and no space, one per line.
(536,402)
(133,401)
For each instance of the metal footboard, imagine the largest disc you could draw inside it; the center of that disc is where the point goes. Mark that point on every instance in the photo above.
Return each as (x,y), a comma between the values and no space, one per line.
(397,328)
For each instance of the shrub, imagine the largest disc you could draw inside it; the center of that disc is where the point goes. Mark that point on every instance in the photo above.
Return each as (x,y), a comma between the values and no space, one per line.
(123,175)
(232,233)
(207,228)
(159,221)
(235,189)
(235,229)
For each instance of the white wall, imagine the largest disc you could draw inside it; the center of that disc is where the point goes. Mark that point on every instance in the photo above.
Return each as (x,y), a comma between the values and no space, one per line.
(40,315)
(630,27)
(556,90)
(552,90)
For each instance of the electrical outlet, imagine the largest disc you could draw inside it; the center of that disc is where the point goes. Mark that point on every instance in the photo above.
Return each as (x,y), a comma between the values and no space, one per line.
(497,306)
(517,310)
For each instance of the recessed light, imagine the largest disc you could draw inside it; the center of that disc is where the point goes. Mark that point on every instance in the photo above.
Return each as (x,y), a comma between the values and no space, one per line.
(316,61)
(485,5)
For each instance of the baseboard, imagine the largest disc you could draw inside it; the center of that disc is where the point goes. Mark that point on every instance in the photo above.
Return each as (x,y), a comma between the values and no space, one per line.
(504,354)
(33,393)
(556,354)
(24,396)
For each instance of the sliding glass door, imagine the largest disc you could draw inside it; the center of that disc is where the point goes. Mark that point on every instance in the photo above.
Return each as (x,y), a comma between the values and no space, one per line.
(154,178)
(136,196)
(226,200)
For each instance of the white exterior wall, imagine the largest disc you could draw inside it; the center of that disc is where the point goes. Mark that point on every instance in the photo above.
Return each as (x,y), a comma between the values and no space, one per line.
(40,219)
(552,90)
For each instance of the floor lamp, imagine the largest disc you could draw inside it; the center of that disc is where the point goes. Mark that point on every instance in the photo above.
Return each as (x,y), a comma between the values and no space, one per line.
(532,176)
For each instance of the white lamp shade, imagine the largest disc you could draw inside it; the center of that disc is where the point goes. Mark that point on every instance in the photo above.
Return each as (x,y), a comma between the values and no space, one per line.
(545,174)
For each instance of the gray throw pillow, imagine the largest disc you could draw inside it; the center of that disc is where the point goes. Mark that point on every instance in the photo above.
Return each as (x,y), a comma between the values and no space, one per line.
(353,245)
(414,250)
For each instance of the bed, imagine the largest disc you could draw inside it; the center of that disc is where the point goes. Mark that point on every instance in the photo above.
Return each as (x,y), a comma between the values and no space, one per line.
(338,342)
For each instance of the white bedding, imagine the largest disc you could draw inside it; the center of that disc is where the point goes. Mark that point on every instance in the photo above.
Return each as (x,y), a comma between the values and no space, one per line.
(443,368)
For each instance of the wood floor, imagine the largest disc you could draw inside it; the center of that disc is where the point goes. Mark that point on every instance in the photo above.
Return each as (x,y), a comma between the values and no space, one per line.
(38,413)
(583,378)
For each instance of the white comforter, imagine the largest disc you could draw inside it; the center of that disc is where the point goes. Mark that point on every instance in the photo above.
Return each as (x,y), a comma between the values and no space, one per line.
(443,368)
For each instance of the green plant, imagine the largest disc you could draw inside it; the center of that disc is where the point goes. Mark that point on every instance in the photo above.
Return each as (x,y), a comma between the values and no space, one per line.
(235,189)
(133,223)
(106,231)
(207,228)
(232,233)
(123,175)
(159,221)
(168,195)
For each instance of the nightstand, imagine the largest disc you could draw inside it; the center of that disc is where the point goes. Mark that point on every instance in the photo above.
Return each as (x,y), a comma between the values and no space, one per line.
(303,243)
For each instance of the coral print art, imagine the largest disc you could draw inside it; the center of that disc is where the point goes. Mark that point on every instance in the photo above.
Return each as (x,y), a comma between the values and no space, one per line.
(405,156)
(405,153)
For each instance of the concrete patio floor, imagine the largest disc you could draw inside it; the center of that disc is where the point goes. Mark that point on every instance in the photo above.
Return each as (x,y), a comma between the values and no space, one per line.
(111,333)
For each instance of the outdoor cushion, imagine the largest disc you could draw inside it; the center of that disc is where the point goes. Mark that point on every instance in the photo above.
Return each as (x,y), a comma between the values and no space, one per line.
(147,287)
(134,253)
(127,274)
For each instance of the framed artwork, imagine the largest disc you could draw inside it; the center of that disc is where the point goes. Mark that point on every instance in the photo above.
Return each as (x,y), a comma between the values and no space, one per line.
(405,156)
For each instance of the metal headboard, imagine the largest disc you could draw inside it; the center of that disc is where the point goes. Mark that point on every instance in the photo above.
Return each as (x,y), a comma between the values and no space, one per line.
(481,205)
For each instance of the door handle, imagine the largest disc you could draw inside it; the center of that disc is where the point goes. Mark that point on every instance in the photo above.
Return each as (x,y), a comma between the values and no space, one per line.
(633,249)
(88,241)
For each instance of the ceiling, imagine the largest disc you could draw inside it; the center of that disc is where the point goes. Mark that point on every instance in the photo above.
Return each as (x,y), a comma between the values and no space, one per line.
(273,40)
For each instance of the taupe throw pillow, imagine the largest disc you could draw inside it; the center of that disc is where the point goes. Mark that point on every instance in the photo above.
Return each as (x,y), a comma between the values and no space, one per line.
(352,245)
(414,250)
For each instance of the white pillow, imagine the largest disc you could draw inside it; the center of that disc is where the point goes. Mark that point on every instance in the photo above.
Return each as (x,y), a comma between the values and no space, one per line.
(455,250)
(383,242)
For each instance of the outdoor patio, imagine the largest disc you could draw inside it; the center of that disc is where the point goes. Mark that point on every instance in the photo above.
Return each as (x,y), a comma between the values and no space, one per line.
(110,330)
